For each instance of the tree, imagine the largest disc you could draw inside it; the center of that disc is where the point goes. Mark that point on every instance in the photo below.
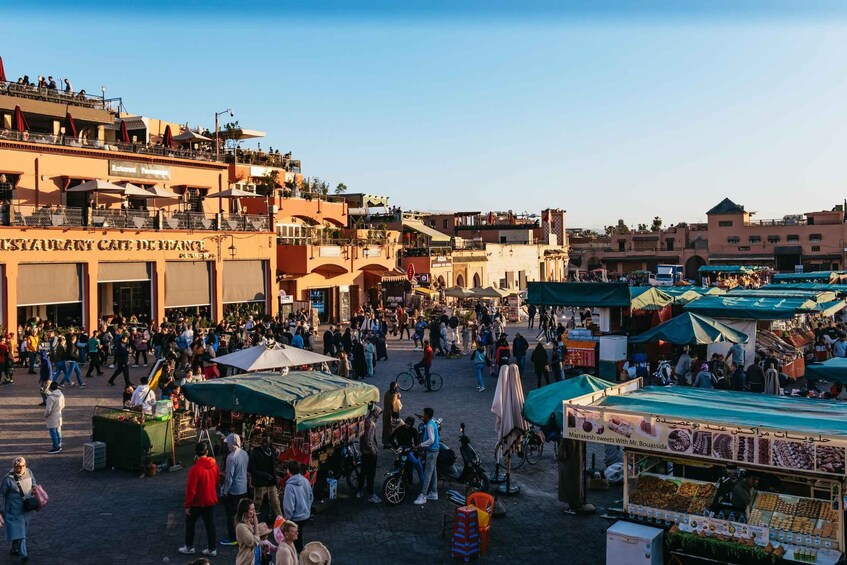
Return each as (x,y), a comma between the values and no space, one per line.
(657,224)
(341,188)
(268,182)
(610,230)
(642,227)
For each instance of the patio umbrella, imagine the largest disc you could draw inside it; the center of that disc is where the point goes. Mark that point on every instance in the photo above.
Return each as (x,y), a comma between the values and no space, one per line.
(124,132)
(19,120)
(458,292)
(2,71)
(159,192)
(263,358)
(70,126)
(189,136)
(133,191)
(691,329)
(235,193)
(98,186)
(508,408)
(490,292)
(168,138)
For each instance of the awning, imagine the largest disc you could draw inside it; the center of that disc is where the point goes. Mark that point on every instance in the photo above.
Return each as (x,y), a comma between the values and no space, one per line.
(419,227)
(385,275)
(187,284)
(816,295)
(579,294)
(831,308)
(691,329)
(727,307)
(543,406)
(136,122)
(648,298)
(244,281)
(49,283)
(425,291)
(122,272)
(834,371)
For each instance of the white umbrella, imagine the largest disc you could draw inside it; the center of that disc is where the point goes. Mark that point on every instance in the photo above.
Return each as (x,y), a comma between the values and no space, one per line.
(263,358)
(98,186)
(132,191)
(190,137)
(235,193)
(508,408)
(159,192)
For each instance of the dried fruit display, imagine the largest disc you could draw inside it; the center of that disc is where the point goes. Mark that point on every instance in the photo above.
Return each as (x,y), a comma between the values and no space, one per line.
(793,455)
(803,525)
(746,450)
(722,446)
(759,518)
(679,440)
(785,506)
(766,501)
(706,490)
(808,507)
(653,492)
(781,521)
(763,454)
(621,427)
(687,489)
(830,459)
(679,503)
(827,513)
(703,443)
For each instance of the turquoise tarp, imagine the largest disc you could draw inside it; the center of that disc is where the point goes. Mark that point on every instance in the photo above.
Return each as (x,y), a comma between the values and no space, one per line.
(800,277)
(684,294)
(831,308)
(752,308)
(833,370)
(691,329)
(579,294)
(543,406)
(816,295)
(309,398)
(841,288)
(729,269)
(798,415)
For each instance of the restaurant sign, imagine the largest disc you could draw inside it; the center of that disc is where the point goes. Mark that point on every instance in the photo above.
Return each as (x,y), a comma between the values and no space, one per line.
(139,170)
(192,248)
(740,445)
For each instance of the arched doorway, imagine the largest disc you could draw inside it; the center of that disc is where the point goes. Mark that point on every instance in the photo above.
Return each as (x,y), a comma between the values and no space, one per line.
(476,281)
(692,265)
(460,280)
(440,283)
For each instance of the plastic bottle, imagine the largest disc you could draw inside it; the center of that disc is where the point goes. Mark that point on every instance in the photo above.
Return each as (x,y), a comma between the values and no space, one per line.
(731,516)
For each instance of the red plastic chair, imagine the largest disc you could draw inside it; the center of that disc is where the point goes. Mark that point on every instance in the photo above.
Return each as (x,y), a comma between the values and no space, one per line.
(483,502)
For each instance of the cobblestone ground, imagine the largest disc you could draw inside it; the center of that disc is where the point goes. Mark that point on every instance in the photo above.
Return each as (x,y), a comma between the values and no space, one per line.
(117,517)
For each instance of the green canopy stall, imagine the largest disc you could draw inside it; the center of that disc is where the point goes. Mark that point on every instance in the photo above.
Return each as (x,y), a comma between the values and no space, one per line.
(816,295)
(691,329)
(833,370)
(825,276)
(648,298)
(840,288)
(579,294)
(308,398)
(543,406)
(750,308)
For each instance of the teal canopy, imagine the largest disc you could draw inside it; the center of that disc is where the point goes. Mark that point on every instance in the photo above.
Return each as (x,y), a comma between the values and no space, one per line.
(648,298)
(816,295)
(543,406)
(752,308)
(799,277)
(308,398)
(729,269)
(831,308)
(833,371)
(579,294)
(691,329)
(840,288)
(682,295)
(787,413)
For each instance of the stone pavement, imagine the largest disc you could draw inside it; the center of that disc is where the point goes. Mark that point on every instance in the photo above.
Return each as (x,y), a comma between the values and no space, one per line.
(116,517)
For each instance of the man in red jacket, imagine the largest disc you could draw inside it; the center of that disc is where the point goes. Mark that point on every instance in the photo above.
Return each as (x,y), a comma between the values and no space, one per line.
(426,363)
(201,496)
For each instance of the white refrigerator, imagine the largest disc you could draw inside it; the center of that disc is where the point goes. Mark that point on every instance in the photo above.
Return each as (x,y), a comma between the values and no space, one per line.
(633,544)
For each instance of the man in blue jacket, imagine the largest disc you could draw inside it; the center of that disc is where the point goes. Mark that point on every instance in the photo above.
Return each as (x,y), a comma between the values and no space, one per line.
(297,502)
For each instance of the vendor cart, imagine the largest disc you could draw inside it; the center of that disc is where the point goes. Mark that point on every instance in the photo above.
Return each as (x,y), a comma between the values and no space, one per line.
(685,450)
(133,440)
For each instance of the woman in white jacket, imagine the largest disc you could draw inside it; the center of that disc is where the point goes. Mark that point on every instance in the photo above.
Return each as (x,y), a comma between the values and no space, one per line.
(54,404)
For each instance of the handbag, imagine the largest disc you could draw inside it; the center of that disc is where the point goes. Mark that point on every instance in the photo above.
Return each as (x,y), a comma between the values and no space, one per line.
(29,504)
(40,495)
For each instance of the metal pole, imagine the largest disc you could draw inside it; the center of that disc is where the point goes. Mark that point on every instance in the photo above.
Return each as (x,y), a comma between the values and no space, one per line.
(217,142)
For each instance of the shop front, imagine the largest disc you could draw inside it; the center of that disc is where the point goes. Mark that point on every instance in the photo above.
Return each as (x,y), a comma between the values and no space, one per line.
(188,289)
(244,288)
(125,289)
(50,291)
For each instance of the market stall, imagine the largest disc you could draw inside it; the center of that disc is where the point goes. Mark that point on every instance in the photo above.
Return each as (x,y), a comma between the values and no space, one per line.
(731,276)
(309,414)
(832,371)
(684,449)
(134,440)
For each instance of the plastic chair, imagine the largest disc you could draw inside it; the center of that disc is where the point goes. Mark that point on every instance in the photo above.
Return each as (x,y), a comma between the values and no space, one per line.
(484,503)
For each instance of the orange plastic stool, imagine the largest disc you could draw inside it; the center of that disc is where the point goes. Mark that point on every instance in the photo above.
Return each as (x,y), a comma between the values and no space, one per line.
(483,502)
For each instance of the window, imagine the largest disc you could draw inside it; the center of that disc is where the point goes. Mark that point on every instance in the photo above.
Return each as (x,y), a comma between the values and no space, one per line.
(755,239)
(733,239)
(725,224)
(502,239)
(744,248)
(816,248)
(621,245)
(815,237)
(773,239)
(793,237)
(446,223)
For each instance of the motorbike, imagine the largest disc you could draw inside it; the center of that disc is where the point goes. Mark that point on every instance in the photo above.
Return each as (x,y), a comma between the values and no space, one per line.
(399,480)
(346,463)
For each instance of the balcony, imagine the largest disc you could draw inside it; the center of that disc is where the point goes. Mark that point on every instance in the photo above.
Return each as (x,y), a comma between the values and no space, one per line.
(162,220)
(60,97)
(332,252)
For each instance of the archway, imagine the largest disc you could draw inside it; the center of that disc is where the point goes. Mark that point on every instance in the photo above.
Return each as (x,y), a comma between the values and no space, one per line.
(476,281)
(460,280)
(692,265)
(440,283)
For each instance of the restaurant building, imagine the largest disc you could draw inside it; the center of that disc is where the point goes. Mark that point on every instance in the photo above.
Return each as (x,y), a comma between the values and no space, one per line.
(162,247)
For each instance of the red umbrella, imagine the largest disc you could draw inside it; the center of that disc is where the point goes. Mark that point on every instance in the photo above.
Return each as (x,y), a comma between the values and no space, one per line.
(169,138)
(70,126)
(124,132)
(20,120)
(2,71)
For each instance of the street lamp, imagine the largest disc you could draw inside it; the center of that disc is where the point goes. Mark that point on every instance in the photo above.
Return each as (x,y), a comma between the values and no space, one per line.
(217,130)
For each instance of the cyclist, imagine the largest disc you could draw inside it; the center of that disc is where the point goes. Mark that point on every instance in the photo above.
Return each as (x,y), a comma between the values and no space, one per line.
(406,438)
(426,363)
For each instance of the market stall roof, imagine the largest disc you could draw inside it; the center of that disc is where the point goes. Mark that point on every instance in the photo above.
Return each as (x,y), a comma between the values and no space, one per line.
(834,371)
(792,414)
(263,358)
(831,308)
(648,298)
(842,288)
(308,398)
(799,277)
(691,329)
(458,292)
(752,308)
(684,294)
(490,292)
(579,294)
(729,269)
(543,406)
(816,295)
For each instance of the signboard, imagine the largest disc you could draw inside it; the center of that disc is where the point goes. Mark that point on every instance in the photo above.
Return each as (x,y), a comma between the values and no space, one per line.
(26,244)
(330,251)
(410,272)
(441,261)
(139,170)
(713,441)
(423,278)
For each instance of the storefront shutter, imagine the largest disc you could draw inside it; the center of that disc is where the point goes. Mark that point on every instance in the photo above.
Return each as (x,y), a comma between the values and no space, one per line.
(244,281)
(122,272)
(55,283)
(187,283)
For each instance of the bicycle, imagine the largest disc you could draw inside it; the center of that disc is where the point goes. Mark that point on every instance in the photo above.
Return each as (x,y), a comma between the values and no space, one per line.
(529,449)
(406,379)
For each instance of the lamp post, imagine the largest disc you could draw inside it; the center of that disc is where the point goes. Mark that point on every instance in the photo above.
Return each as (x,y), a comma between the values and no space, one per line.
(217,130)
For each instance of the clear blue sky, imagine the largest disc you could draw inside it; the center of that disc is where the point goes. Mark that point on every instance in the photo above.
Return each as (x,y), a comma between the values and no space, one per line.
(607,109)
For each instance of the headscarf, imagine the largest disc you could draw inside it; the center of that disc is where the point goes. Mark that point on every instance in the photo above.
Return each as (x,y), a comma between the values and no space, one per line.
(17,460)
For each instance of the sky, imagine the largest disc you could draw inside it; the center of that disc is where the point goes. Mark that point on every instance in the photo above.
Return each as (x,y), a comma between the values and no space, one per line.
(610,110)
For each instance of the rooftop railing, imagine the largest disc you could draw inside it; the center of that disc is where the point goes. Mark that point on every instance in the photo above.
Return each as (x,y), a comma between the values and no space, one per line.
(59,96)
